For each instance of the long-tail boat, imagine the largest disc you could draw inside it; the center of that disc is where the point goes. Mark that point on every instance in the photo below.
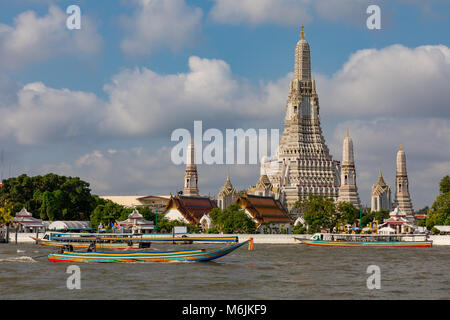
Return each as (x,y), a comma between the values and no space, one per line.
(85,245)
(367,240)
(129,238)
(152,256)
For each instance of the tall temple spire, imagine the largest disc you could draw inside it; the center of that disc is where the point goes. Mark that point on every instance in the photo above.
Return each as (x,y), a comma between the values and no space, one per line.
(303,164)
(191,176)
(402,196)
(302,59)
(348,191)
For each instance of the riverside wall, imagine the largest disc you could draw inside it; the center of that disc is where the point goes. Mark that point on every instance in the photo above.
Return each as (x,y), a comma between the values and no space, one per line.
(257,238)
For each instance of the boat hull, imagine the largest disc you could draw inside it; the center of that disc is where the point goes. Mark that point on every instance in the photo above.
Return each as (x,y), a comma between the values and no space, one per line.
(163,256)
(321,243)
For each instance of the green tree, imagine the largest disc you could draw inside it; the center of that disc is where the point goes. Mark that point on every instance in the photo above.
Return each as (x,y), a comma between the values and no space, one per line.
(348,212)
(319,212)
(439,213)
(232,220)
(49,197)
(374,215)
(5,214)
(444,185)
(166,226)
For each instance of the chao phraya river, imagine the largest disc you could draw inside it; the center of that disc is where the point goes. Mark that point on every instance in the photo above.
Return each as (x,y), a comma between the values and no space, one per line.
(292,271)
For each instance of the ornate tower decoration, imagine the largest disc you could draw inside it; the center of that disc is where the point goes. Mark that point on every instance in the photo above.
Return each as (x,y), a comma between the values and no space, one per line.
(227,195)
(191,177)
(381,195)
(348,191)
(402,197)
(303,164)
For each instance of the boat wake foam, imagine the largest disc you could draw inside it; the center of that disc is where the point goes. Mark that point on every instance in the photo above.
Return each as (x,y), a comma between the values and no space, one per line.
(18,259)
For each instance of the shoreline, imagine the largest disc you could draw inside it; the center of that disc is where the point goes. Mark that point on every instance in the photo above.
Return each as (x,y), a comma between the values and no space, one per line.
(257,238)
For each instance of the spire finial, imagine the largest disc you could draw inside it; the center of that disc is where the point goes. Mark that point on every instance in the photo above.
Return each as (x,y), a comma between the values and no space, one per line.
(401,148)
(192,140)
(379,172)
(348,133)
(302,34)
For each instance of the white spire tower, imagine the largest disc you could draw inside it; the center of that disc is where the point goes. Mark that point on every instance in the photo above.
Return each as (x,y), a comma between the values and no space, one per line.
(191,177)
(348,191)
(402,196)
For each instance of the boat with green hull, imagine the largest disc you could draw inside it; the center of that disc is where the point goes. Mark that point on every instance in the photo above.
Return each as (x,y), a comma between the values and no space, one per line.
(149,256)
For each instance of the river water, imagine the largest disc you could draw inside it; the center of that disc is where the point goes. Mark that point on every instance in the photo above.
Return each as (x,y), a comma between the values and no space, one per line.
(269,272)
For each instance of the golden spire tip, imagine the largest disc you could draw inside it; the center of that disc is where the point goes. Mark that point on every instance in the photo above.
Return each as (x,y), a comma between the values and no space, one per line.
(302,33)
(348,133)
(401,148)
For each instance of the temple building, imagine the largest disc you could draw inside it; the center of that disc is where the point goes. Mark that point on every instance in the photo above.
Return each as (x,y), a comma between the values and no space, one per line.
(381,195)
(27,223)
(402,197)
(303,164)
(263,188)
(136,223)
(348,191)
(268,213)
(191,176)
(227,195)
(398,221)
(188,209)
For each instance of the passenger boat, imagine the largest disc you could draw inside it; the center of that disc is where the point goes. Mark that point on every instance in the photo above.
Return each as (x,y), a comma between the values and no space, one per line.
(153,256)
(367,240)
(85,245)
(130,238)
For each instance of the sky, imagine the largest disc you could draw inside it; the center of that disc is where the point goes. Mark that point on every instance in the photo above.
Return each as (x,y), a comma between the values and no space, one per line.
(102,102)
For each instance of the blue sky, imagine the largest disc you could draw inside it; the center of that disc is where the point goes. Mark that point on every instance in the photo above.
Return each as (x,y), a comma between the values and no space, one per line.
(102,102)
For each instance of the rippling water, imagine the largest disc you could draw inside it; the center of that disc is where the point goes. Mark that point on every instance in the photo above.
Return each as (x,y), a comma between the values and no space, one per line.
(270,272)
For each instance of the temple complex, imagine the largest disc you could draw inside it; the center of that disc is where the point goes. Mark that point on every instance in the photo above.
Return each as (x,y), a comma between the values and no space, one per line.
(303,164)
(402,197)
(348,191)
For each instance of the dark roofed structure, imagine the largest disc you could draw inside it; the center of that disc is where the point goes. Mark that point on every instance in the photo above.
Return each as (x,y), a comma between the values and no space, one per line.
(191,208)
(264,210)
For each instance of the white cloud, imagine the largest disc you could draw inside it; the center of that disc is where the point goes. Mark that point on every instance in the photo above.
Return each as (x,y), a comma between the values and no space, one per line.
(158,24)
(42,115)
(140,171)
(290,12)
(144,102)
(394,81)
(254,12)
(348,11)
(33,39)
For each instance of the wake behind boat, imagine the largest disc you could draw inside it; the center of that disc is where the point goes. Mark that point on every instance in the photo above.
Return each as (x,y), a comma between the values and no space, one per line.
(154,256)
(367,240)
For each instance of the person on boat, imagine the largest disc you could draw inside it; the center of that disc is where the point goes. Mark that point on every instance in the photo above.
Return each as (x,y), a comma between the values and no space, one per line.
(92,247)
